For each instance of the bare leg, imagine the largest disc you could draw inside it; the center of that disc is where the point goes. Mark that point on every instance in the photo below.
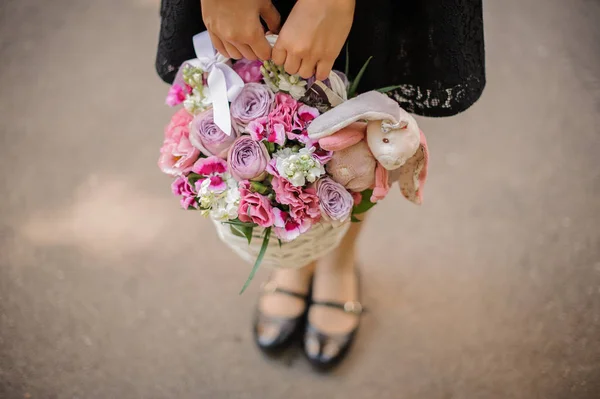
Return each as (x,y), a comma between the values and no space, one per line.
(335,280)
(281,305)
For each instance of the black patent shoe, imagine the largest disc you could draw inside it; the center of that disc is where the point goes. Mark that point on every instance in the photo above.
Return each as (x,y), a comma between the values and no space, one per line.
(325,351)
(273,334)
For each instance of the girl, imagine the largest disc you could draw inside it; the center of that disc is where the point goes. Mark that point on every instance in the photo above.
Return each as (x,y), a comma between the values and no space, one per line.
(432,49)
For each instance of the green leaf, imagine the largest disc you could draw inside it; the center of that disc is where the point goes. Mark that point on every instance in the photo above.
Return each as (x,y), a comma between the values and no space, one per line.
(388,88)
(280,243)
(261,255)
(347,68)
(237,222)
(354,219)
(365,203)
(354,85)
(242,231)
(193,178)
(258,187)
(270,146)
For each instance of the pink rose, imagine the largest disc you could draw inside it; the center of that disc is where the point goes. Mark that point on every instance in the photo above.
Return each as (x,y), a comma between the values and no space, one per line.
(255,101)
(177,154)
(248,70)
(181,187)
(336,202)
(248,159)
(254,207)
(206,136)
(303,203)
(286,227)
(177,94)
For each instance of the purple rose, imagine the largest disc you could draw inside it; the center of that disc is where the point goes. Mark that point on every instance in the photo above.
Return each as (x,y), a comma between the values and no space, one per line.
(248,70)
(247,159)
(255,101)
(206,136)
(335,201)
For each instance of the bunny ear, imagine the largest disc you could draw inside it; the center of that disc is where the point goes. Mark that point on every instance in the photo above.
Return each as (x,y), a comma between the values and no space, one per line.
(412,175)
(368,106)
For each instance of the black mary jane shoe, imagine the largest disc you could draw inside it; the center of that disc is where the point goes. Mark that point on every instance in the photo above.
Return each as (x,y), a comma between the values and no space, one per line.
(274,334)
(325,351)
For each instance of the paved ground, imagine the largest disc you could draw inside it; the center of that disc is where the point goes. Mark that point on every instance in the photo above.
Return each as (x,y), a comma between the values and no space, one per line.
(107,290)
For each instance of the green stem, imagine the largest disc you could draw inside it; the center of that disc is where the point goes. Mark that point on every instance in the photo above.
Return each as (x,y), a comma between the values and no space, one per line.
(259,259)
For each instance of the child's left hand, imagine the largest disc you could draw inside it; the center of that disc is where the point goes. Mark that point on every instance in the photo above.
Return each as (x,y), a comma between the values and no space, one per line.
(313,36)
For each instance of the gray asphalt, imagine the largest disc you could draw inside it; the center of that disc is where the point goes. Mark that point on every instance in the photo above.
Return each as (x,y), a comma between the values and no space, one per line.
(107,290)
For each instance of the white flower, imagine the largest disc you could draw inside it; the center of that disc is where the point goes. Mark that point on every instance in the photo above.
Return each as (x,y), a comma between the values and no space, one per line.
(293,85)
(198,101)
(221,205)
(278,80)
(298,167)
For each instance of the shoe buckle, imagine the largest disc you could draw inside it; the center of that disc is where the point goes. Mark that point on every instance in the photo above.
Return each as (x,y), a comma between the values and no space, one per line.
(353,307)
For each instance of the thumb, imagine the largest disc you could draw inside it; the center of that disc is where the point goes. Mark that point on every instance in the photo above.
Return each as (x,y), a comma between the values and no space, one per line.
(271,16)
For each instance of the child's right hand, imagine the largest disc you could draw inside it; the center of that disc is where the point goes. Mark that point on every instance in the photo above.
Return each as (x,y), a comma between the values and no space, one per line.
(235,28)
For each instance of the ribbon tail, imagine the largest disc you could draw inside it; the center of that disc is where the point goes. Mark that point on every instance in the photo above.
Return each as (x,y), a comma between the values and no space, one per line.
(234,82)
(218,92)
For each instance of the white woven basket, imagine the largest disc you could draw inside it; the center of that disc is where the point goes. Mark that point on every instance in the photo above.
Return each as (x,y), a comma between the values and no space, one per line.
(308,247)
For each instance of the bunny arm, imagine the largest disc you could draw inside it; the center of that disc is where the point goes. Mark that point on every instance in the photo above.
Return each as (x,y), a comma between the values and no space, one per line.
(344,138)
(371,105)
(382,184)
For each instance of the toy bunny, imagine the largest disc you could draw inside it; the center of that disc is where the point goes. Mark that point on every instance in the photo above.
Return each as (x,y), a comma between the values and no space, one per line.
(353,165)
(393,138)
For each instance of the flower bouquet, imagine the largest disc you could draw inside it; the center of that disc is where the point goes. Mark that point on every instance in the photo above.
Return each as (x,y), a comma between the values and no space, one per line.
(281,164)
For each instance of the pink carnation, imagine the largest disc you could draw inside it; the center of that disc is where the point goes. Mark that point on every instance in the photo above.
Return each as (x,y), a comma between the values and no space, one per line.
(301,120)
(177,154)
(286,228)
(248,70)
(181,187)
(303,203)
(254,207)
(177,94)
(211,168)
(278,124)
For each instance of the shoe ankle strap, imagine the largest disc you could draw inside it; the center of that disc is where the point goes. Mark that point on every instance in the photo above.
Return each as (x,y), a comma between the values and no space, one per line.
(271,287)
(354,307)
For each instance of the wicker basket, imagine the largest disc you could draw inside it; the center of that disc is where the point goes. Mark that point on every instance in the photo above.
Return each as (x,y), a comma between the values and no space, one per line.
(310,246)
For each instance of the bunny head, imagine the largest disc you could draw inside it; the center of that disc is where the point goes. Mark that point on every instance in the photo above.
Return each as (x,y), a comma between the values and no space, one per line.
(392,134)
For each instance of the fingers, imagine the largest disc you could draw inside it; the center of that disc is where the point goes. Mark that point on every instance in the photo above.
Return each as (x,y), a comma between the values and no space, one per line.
(261,47)
(292,64)
(271,17)
(246,51)
(218,44)
(278,55)
(323,70)
(307,68)
(232,51)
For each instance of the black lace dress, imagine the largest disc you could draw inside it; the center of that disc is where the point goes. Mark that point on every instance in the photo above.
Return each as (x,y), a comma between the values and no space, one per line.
(433,48)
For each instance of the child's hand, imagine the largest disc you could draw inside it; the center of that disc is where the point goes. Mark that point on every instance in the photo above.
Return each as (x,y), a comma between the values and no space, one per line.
(235,28)
(313,36)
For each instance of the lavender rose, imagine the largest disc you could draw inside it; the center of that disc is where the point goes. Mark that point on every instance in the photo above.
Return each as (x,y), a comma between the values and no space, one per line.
(335,201)
(248,159)
(206,136)
(255,101)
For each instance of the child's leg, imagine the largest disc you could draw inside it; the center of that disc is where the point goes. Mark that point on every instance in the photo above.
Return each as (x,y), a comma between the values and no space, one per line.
(335,280)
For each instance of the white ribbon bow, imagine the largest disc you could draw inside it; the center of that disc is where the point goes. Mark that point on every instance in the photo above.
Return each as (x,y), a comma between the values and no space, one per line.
(223,82)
